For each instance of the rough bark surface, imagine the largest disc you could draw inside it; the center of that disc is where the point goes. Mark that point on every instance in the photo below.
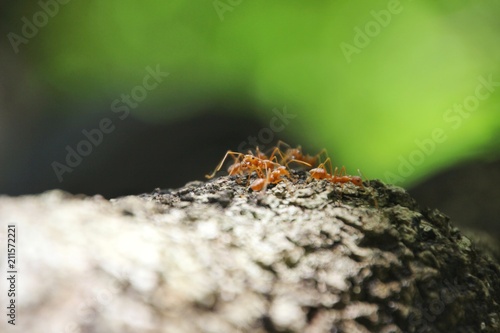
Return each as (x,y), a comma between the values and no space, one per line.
(215,257)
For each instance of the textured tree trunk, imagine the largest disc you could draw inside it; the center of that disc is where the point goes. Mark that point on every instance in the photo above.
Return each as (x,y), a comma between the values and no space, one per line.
(216,257)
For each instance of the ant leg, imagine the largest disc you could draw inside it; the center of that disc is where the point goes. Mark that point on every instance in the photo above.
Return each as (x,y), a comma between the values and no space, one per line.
(341,173)
(317,157)
(266,182)
(336,179)
(275,151)
(300,162)
(320,175)
(258,153)
(324,152)
(260,184)
(329,161)
(248,178)
(323,166)
(282,143)
(219,166)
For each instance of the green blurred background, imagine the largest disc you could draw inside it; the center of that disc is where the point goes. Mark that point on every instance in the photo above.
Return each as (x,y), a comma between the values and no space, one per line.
(368,80)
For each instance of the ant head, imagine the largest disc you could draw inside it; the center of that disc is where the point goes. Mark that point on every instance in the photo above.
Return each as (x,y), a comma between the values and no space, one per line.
(251,158)
(356,180)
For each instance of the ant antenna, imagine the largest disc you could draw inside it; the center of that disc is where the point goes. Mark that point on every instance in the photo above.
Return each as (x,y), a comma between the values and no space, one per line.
(363,177)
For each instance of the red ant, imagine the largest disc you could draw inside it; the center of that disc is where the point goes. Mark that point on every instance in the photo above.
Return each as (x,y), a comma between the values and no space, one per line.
(245,164)
(273,177)
(337,177)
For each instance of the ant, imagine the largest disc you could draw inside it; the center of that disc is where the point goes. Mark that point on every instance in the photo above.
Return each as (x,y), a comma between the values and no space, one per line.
(245,164)
(337,177)
(296,155)
(260,162)
(273,177)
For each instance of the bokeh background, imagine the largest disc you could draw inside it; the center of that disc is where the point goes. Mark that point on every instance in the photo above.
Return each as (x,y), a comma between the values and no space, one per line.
(406,91)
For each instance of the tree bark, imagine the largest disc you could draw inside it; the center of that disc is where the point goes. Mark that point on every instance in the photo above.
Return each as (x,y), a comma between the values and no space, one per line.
(217,257)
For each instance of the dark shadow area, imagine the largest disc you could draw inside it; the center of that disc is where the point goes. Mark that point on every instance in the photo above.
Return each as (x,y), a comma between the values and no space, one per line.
(136,157)
(468,193)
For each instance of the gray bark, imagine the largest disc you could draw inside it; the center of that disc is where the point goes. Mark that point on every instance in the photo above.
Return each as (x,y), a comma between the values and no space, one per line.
(216,257)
